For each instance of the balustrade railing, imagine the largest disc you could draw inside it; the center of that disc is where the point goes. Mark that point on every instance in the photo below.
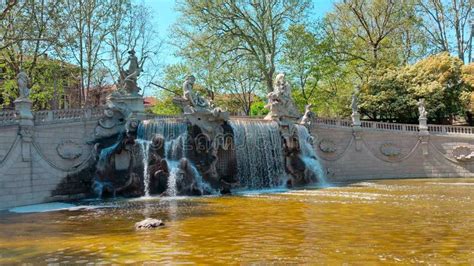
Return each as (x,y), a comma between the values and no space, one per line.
(445,129)
(333,122)
(9,117)
(67,115)
(433,129)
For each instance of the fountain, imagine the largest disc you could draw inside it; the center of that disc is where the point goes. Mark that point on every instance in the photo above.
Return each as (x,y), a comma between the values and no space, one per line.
(206,152)
(258,148)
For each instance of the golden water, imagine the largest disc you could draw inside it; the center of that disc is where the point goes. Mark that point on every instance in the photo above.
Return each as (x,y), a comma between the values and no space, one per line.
(406,221)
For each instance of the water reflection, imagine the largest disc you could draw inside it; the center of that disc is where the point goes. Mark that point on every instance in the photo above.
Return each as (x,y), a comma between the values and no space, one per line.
(408,221)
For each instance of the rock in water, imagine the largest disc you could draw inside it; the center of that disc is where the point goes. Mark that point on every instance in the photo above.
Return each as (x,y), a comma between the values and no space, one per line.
(149,223)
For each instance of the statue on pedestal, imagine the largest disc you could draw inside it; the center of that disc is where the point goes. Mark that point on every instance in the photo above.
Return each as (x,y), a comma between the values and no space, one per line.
(194,105)
(23,80)
(210,120)
(421,109)
(280,102)
(23,103)
(128,78)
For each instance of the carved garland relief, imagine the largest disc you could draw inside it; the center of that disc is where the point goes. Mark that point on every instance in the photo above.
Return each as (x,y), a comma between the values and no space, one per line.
(390,149)
(69,150)
(463,153)
(327,146)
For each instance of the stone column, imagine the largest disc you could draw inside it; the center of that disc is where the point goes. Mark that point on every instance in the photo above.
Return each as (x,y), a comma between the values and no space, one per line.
(23,107)
(356,119)
(423,126)
(356,124)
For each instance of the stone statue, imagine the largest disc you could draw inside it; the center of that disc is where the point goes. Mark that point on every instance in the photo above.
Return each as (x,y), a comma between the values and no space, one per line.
(193,97)
(186,182)
(129,77)
(421,108)
(22,80)
(280,102)
(210,120)
(308,116)
(355,102)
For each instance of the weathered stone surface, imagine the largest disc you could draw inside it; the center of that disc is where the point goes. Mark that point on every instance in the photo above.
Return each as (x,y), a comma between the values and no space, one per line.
(149,223)
(69,150)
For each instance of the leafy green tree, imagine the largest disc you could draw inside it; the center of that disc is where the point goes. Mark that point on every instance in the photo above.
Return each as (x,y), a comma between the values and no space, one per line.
(258,108)
(375,34)
(300,58)
(49,80)
(249,30)
(392,94)
(174,76)
(165,106)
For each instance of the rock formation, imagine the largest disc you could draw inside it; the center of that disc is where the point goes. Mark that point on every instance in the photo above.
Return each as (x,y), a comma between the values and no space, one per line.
(186,183)
(149,223)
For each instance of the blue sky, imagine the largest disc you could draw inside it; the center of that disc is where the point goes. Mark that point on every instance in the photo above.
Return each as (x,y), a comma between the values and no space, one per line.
(165,16)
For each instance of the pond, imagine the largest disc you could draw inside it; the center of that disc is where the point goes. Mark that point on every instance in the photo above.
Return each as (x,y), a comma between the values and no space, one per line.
(407,221)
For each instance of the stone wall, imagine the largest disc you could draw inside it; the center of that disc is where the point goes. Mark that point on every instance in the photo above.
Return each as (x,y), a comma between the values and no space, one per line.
(32,168)
(51,162)
(390,151)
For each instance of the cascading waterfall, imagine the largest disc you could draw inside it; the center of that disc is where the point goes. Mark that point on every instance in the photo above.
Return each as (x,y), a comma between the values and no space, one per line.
(172,182)
(309,156)
(174,148)
(259,152)
(169,128)
(145,149)
(174,132)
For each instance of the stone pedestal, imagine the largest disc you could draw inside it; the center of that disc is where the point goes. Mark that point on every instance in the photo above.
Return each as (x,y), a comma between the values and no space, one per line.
(423,126)
(424,135)
(356,120)
(23,106)
(132,103)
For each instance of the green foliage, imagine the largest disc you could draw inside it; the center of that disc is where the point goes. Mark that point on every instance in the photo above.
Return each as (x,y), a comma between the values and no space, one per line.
(165,107)
(392,94)
(48,80)
(258,108)
(231,31)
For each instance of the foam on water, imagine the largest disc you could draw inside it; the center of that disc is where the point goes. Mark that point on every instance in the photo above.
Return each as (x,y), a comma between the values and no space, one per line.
(50,207)
(309,156)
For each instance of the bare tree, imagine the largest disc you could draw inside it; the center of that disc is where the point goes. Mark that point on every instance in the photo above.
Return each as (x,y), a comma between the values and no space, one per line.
(132,29)
(446,24)
(87,25)
(6,7)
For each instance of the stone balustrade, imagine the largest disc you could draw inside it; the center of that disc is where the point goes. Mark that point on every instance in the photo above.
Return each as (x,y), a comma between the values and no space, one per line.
(51,116)
(446,129)
(413,128)
(9,117)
